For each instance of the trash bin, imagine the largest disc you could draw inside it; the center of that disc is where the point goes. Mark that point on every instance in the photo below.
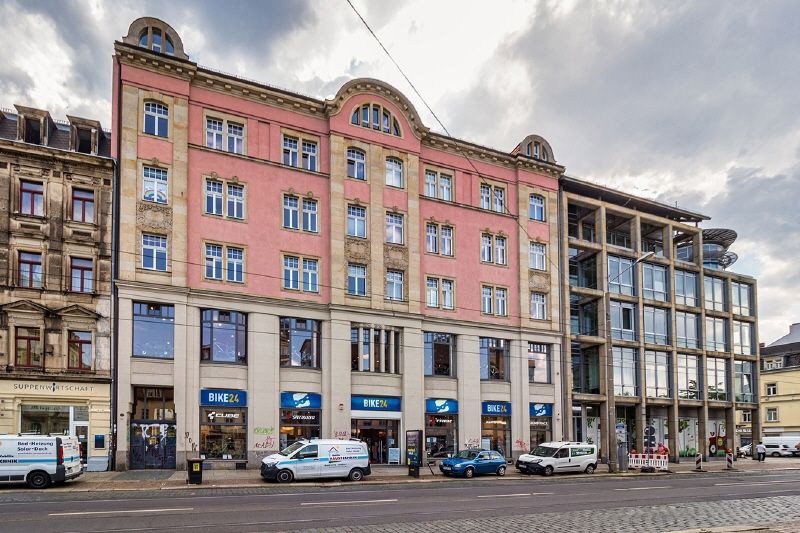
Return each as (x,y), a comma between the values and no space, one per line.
(195,468)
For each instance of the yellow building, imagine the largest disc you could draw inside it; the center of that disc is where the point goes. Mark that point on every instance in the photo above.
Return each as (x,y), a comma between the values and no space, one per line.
(780,385)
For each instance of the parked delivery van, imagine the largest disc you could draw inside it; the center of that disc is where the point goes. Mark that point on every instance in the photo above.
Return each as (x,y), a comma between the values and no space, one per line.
(39,460)
(318,459)
(557,457)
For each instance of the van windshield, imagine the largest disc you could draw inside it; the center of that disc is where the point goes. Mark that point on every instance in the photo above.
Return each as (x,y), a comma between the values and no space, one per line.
(467,454)
(291,449)
(544,451)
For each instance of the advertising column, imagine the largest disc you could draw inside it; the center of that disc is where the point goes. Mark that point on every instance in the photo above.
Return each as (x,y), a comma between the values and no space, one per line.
(496,427)
(441,428)
(223,424)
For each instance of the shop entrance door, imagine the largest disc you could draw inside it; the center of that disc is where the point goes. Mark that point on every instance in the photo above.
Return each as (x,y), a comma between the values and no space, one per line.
(152,445)
(81,430)
(379,436)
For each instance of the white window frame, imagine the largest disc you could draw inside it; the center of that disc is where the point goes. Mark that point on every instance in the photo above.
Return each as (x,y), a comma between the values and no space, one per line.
(215,133)
(235,141)
(358,159)
(156,179)
(537,256)
(487,299)
(292,211)
(487,248)
(448,296)
(394,172)
(234,266)
(310,215)
(158,111)
(771,389)
(772,414)
(446,241)
(536,207)
(446,187)
(394,285)
(214,259)
(538,306)
(357,221)
(498,199)
(290,151)
(430,184)
(235,202)
(310,274)
(431,238)
(357,273)
(501,301)
(486,196)
(310,150)
(432,292)
(159,244)
(214,192)
(395,228)
(291,272)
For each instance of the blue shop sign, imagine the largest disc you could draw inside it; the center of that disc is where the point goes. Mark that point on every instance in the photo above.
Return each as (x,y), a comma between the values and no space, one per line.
(438,407)
(541,409)
(374,403)
(301,400)
(496,408)
(223,397)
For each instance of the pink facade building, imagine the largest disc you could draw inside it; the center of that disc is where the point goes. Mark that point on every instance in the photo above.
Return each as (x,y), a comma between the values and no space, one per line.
(291,267)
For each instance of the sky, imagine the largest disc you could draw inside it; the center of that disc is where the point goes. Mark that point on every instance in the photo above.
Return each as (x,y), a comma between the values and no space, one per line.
(689,103)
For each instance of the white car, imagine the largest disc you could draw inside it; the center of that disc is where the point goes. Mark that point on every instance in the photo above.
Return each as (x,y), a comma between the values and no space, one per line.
(39,460)
(559,457)
(316,459)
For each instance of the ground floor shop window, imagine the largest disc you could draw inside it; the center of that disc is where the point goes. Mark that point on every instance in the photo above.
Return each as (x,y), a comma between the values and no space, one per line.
(223,433)
(717,437)
(441,433)
(586,424)
(381,437)
(45,419)
(687,437)
(496,434)
(541,430)
(299,424)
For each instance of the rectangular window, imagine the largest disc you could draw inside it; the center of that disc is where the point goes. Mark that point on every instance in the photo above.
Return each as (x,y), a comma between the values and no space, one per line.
(486,197)
(495,355)
(500,250)
(154,252)
(687,328)
(487,300)
(432,238)
(744,385)
(448,294)
(214,133)
(153,330)
(236,201)
(394,172)
(83,206)
(290,151)
(28,347)
(486,248)
(536,207)
(291,272)
(440,352)
(81,275)
(309,155)
(742,295)
(291,212)
(538,306)
(772,414)
(501,299)
(445,188)
(656,326)
(394,228)
(235,265)
(154,185)
(446,241)
(717,378)
(537,256)
(356,280)
(746,418)
(356,164)
(31,273)
(356,221)
(715,293)
(31,198)
(742,338)
(716,334)
(621,275)
(79,350)
(430,184)
(654,282)
(623,321)
(300,343)
(310,275)
(658,374)
(235,138)
(432,292)
(685,288)
(772,389)
(626,371)
(223,336)
(375,350)
(538,363)
(156,119)
(213,261)
(394,285)
(310,215)
(689,377)
(213,198)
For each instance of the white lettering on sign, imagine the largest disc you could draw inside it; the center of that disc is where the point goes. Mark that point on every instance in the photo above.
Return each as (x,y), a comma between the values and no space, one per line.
(496,408)
(378,403)
(223,397)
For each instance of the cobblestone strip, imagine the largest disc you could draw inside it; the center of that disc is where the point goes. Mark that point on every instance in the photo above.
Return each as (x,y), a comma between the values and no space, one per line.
(650,519)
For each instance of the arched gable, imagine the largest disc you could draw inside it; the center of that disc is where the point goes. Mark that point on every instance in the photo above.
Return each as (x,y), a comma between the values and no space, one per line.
(545,154)
(141,31)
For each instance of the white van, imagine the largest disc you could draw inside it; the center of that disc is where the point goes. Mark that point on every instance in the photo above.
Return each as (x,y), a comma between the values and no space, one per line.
(39,460)
(318,458)
(781,446)
(559,457)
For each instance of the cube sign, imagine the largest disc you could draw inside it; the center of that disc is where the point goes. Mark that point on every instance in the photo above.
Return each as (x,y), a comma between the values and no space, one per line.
(223,398)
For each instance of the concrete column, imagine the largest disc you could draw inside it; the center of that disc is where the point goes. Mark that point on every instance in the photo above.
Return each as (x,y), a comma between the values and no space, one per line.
(124,388)
(672,420)
(730,429)
(469,386)
(520,399)
(336,383)
(413,385)
(755,428)
(187,382)
(263,383)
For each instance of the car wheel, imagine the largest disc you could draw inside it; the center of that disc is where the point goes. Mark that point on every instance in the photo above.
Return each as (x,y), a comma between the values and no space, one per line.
(776,454)
(356,475)
(548,471)
(38,479)
(284,476)
(469,472)
(501,471)
(589,469)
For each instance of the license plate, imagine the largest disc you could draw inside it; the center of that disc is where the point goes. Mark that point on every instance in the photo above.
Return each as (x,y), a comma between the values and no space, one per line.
(446,468)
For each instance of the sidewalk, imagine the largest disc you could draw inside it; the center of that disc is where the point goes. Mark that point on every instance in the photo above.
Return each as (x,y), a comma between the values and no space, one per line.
(149,480)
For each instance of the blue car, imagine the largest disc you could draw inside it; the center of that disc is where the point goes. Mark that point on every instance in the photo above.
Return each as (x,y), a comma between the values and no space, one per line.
(467,463)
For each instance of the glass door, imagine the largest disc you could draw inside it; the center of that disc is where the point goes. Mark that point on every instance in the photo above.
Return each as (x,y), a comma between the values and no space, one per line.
(81,430)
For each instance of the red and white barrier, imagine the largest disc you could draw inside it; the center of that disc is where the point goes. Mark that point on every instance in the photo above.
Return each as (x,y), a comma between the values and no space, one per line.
(729,460)
(638,460)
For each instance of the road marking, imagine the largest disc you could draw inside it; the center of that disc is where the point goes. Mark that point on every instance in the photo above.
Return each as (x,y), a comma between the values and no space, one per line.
(200,526)
(542,493)
(351,502)
(754,483)
(646,488)
(80,513)
(504,495)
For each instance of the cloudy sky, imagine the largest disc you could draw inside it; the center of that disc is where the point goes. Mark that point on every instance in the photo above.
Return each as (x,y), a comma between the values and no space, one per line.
(690,102)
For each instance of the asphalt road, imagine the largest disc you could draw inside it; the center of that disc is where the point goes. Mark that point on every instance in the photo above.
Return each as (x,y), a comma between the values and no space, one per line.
(279,507)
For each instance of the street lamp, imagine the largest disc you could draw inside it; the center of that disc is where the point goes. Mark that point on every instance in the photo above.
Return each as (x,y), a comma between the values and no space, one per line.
(610,405)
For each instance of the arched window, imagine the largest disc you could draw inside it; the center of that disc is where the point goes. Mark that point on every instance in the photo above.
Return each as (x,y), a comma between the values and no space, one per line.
(156,119)
(356,164)
(170,47)
(375,117)
(143,39)
(394,172)
(156,40)
(537,207)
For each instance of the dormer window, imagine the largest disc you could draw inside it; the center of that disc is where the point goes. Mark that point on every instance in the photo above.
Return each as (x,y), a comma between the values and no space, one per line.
(33,131)
(376,117)
(536,150)
(84,141)
(156,41)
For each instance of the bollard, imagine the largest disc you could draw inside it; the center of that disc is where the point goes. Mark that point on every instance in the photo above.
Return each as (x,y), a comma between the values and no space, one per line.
(698,463)
(729,460)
